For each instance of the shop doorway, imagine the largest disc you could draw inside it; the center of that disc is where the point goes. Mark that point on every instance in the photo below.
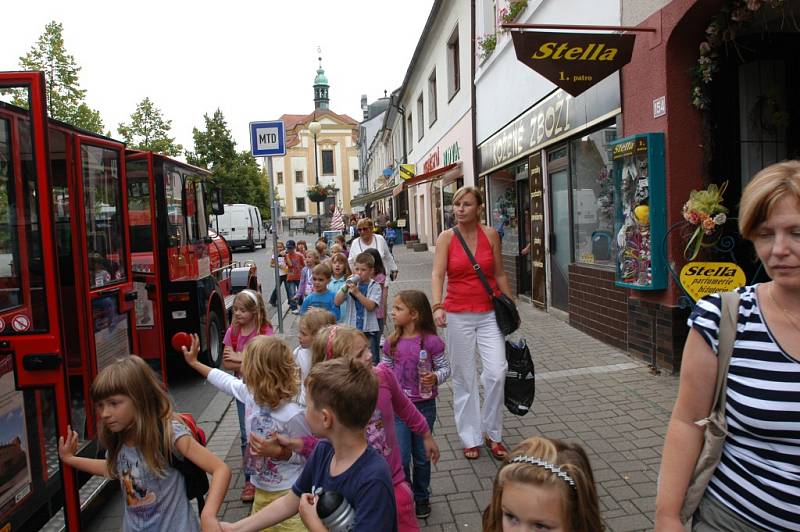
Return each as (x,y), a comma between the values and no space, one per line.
(536,248)
(524,209)
(559,236)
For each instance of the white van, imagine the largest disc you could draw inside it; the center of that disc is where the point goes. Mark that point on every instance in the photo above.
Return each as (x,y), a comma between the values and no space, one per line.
(241,226)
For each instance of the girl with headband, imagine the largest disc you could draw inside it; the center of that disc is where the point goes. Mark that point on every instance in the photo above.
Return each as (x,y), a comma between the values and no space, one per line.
(249,320)
(545,484)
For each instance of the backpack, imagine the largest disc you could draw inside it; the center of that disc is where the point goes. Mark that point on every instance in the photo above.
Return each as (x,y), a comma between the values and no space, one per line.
(520,381)
(195,478)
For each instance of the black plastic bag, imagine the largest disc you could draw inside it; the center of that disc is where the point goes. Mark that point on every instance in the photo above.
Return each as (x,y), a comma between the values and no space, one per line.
(520,381)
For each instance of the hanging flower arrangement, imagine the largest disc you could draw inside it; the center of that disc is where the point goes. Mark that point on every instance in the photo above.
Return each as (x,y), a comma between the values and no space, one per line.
(488,42)
(705,211)
(721,31)
(317,193)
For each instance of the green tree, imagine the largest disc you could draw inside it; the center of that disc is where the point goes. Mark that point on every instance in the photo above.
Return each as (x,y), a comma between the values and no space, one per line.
(237,173)
(65,98)
(149,130)
(214,147)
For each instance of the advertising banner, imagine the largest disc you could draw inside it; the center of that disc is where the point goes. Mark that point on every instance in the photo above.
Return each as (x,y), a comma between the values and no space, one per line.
(574,61)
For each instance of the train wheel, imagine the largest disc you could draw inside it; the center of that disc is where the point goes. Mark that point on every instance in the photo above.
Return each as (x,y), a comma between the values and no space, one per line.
(213,355)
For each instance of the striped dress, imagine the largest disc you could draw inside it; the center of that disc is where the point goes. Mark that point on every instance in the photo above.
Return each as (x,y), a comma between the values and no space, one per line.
(758,477)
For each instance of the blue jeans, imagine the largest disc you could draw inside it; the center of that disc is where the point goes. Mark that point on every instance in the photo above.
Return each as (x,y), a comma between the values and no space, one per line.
(242,432)
(374,346)
(291,290)
(411,447)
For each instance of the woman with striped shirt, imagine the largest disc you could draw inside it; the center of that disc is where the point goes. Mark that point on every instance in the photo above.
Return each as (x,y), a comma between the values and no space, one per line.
(756,485)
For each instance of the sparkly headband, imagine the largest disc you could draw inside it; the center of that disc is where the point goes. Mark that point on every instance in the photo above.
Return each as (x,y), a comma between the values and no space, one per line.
(557,471)
(329,347)
(252,295)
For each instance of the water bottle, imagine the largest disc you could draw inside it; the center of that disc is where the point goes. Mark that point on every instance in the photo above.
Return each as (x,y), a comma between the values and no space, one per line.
(335,512)
(425,390)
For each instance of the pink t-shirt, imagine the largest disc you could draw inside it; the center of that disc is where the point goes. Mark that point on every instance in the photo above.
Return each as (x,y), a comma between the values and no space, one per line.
(242,339)
(381,433)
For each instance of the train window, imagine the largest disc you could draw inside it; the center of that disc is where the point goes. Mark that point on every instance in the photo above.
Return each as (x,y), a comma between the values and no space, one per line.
(103,206)
(10,286)
(139,216)
(173,192)
(32,236)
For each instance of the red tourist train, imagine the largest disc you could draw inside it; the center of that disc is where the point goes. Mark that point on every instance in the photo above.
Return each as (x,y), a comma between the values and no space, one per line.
(104,252)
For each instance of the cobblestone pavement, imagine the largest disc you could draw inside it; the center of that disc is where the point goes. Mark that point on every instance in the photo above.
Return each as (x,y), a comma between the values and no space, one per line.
(586,392)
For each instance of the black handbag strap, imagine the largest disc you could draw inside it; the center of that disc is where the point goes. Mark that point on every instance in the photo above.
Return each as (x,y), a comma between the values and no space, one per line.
(475,265)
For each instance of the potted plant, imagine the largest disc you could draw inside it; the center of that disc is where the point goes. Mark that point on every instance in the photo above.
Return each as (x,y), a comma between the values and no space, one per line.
(317,193)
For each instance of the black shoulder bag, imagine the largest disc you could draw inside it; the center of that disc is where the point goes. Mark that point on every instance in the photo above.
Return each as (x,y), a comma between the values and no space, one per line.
(505,311)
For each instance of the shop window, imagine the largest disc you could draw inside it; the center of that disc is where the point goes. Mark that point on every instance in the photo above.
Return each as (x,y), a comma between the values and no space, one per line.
(503,206)
(280,178)
(300,204)
(327,162)
(593,197)
(298,176)
(420,122)
(432,111)
(453,65)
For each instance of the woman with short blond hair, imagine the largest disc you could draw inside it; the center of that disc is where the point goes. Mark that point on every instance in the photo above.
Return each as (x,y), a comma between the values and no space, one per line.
(367,238)
(756,485)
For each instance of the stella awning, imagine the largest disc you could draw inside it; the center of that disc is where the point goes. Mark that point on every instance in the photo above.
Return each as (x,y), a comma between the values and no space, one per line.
(443,172)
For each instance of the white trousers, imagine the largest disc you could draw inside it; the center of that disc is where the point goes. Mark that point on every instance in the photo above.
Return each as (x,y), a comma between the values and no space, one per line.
(466,333)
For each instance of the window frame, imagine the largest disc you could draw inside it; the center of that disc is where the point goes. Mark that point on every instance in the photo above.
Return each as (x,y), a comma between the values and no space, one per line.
(333,161)
(453,64)
(299,173)
(356,177)
(279,177)
(410,131)
(297,205)
(421,113)
(433,112)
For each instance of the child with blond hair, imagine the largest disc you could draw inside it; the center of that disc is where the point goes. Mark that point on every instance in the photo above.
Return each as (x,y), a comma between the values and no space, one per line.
(269,384)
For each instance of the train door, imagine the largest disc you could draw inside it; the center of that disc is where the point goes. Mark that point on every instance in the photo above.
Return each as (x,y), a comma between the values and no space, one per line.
(33,383)
(145,259)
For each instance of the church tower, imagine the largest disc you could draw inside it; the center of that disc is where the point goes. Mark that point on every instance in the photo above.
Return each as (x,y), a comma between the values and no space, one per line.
(321,99)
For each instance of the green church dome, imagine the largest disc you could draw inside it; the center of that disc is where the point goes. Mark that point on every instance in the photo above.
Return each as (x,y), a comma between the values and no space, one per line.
(320,79)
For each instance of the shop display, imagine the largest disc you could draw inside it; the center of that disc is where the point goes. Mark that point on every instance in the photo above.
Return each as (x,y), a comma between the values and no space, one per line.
(640,211)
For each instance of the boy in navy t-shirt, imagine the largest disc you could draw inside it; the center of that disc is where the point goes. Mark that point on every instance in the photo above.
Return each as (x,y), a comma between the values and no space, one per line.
(321,297)
(341,395)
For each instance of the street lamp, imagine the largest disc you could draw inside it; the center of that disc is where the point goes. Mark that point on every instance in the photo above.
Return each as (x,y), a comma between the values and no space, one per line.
(315,127)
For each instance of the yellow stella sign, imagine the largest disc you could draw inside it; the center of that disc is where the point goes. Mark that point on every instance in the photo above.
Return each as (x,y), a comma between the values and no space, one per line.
(700,279)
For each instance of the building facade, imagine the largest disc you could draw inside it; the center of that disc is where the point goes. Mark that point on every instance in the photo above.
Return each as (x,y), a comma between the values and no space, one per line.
(717,83)
(436,103)
(336,164)
(544,163)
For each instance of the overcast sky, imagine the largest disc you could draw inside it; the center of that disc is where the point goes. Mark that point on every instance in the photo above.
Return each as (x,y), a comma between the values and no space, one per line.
(253,60)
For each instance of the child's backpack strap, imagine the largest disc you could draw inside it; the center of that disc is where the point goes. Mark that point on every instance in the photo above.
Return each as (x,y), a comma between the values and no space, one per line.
(194,477)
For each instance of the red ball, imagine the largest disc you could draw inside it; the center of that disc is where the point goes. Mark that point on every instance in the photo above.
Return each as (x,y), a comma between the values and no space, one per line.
(181,339)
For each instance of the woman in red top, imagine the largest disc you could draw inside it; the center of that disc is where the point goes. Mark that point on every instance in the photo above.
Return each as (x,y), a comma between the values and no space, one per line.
(468,314)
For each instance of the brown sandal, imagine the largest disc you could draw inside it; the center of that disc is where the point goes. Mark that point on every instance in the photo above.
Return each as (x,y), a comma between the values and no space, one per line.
(497,449)
(472,453)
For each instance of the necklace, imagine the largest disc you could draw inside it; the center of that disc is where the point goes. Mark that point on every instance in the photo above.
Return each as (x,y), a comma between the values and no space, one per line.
(789,314)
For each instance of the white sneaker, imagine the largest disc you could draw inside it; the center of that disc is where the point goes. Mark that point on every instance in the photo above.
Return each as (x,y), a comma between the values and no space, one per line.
(295,311)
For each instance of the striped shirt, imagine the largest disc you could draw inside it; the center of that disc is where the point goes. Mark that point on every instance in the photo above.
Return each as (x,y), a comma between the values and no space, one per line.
(758,476)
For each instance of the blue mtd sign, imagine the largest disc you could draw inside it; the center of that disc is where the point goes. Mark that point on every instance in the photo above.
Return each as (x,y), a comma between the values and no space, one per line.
(267,138)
